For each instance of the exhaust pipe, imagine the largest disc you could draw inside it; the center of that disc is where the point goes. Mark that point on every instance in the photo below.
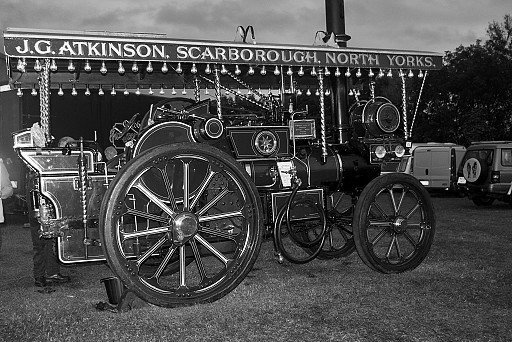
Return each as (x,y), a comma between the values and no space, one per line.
(335,23)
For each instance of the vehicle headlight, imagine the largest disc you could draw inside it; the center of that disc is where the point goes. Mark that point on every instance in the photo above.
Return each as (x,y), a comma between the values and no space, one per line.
(399,151)
(380,151)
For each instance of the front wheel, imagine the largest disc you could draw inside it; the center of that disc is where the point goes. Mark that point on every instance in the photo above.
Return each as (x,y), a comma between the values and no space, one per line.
(190,208)
(394,223)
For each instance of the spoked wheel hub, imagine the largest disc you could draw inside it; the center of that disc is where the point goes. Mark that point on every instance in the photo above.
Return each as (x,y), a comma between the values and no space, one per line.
(399,225)
(184,226)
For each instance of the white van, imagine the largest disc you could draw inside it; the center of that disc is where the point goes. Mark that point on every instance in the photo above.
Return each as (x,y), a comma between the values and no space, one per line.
(433,164)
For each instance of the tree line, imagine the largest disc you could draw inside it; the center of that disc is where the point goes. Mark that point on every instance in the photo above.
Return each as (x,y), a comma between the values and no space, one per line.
(470,98)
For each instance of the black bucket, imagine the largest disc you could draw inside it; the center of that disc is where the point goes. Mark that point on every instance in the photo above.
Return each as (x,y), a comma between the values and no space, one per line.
(114,288)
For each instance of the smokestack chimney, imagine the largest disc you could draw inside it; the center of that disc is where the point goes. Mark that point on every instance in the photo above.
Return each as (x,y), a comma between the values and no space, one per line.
(335,23)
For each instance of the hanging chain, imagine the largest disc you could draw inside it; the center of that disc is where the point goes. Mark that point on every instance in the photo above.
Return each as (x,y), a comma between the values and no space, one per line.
(356,97)
(44,99)
(246,85)
(247,98)
(235,93)
(217,91)
(404,105)
(322,115)
(372,90)
(417,103)
(197,95)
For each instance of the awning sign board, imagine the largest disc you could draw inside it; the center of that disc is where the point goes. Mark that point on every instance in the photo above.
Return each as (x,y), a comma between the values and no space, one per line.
(137,47)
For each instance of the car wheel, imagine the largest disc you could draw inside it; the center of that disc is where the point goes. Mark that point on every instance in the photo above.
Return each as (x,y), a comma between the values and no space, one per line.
(483,201)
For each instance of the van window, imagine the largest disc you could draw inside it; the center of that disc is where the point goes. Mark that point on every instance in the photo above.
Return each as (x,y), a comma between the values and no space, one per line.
(506,157)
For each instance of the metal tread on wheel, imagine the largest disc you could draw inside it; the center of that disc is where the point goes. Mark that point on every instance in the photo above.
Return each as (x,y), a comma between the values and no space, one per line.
(194,210)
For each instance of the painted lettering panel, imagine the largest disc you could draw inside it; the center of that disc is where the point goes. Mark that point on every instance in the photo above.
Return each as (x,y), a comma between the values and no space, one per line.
(159,49)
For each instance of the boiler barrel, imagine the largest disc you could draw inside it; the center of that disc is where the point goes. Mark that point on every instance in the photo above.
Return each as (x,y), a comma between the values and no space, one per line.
(341,171)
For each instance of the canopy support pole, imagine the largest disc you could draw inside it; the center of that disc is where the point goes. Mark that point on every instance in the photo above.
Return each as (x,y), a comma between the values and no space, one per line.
(322,115)
(217,91)
(44,99)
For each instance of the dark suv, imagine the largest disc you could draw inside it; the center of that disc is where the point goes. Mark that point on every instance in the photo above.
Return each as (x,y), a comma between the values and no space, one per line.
(485,173)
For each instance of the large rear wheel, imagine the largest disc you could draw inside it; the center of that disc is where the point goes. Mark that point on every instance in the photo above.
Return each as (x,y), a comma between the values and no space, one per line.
(193,210)
(394,223)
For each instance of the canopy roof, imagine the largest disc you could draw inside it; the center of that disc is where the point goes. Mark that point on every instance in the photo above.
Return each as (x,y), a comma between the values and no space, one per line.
(71,51)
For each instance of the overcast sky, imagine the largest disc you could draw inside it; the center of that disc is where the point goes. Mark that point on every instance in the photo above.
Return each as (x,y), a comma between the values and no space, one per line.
(433,25)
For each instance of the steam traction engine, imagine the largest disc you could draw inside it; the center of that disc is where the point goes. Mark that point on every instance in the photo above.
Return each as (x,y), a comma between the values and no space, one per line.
(180,203)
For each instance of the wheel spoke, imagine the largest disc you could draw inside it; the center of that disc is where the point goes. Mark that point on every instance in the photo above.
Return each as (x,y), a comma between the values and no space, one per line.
(212,249)
(148,232)
(331,240)
(343,234)
(390,248)
(186,186)
(150,251)
(409,214)
(418,225)
(217,233)
(335,205)
(202,188)
(411,240)
(378,237)
(183,265)
(379,209)
(164,263)
(169,187)
(392,196)
(398,250)
(378,223)
(404,192)
(199,260)
(153,198)
(146,215)
(214,201)
(215,217)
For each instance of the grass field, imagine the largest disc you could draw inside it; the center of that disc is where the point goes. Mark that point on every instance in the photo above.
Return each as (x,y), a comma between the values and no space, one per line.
(461,292)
